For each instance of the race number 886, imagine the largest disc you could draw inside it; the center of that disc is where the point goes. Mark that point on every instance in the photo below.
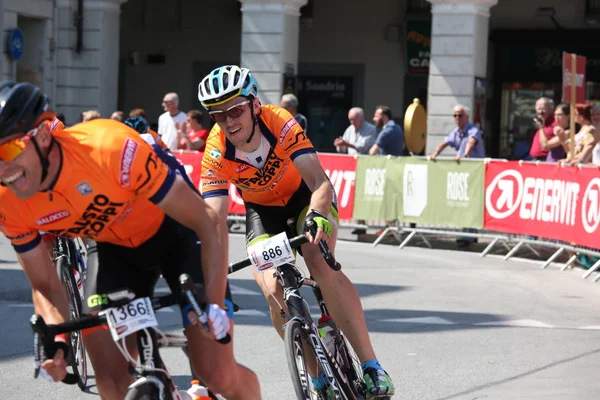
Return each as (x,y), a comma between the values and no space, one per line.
(272,253)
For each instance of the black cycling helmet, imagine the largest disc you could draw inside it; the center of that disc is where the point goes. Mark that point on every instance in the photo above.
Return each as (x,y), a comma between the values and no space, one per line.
(137,123)
(22,107)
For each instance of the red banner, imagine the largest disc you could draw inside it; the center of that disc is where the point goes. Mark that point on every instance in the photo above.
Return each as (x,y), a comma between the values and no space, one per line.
(546,200)
(341,169)
(192,161)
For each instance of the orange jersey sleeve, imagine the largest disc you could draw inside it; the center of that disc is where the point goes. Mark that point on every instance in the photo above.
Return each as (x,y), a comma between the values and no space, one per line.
(21,236)
(214,179)
(289,133)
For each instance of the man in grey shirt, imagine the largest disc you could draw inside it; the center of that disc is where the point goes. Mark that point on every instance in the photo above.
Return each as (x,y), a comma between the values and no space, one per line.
(359,136)
(358,139)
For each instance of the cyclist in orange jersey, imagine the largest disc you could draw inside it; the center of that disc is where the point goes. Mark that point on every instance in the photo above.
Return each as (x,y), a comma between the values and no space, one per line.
(265,153)
(100,180)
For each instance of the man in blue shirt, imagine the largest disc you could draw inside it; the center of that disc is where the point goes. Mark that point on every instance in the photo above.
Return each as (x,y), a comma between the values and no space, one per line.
(390,140)
(466,138)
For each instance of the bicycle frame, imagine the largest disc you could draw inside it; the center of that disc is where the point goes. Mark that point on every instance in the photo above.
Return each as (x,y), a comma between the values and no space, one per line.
(291,280)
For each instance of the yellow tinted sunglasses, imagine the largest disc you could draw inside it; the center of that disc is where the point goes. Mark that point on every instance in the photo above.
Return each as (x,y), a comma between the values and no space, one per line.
(12,149)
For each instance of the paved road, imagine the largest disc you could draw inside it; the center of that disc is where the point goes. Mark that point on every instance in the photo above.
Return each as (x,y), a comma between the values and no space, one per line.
(446,325)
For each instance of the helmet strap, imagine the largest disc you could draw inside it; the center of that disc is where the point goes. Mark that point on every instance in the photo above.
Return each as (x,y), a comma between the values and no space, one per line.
(43,159)
(254,121)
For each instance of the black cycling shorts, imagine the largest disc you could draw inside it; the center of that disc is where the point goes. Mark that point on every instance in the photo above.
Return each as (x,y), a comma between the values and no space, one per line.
(271,220)
(173,250)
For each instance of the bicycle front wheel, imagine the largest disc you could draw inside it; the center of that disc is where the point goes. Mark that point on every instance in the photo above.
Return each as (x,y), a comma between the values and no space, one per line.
(77,357)
(297,340)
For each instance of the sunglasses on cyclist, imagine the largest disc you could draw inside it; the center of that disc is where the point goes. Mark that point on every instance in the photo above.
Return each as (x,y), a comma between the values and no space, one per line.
(235,111)
(12,149)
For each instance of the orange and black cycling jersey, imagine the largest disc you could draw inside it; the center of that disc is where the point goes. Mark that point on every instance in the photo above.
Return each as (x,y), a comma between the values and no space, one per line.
(277,181)
(107,187)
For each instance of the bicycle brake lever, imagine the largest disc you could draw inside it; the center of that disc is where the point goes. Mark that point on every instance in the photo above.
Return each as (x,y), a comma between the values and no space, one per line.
(187,286)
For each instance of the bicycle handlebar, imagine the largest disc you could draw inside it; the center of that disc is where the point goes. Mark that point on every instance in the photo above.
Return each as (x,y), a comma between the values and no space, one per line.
(295,242)
(46,333)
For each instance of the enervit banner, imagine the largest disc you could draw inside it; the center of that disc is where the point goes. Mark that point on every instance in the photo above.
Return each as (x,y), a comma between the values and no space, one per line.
(341,169)
(443,192)
(378,188)
(546,200)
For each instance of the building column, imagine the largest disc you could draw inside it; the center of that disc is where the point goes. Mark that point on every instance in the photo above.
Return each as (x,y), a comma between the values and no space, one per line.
(270,34)
(459,50)
(88,79)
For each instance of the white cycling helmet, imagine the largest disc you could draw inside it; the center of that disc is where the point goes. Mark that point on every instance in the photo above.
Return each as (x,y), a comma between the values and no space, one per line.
(225,83)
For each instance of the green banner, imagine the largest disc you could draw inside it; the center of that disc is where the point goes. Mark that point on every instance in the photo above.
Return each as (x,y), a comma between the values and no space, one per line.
(378,188)
(443,192)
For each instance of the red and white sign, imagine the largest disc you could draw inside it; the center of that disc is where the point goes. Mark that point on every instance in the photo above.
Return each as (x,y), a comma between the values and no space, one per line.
(192,161)
(546,200)
(127,157)
(580,94)
(341,170)
(52,217)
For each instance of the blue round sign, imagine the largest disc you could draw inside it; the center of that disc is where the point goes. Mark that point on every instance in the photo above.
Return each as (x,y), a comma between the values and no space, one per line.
(15,43)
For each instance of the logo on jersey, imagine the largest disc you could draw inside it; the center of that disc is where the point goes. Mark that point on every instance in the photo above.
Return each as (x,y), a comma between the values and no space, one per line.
(127,157)
(286,128)
(84,188)
(209,173)
(215,153)
(53,217)
(242,167)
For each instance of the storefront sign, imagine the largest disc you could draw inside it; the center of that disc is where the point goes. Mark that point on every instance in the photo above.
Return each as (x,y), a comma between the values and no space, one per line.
(418,46)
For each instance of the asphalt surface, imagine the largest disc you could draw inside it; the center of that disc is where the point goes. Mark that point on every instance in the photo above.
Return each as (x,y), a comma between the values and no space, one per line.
(445,325)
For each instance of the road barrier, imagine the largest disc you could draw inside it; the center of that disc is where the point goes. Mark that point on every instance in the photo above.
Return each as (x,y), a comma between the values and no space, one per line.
(520,205)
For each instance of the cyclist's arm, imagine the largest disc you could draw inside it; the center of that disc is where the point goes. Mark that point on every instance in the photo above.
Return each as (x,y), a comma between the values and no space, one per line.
(220,204)
(48,294)
(312,173)
(188,208)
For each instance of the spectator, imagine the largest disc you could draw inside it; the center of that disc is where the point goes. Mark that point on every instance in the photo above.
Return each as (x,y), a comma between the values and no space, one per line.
(89,115)
(585,140)
(560,130)
(390,140)
(543,110)
(118,116)
(466,138)
(290,103)
(166,122)
(359,136)
(596,121)
(192,135)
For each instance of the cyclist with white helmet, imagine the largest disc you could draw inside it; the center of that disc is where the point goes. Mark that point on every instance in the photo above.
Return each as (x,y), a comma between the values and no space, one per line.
(263,151)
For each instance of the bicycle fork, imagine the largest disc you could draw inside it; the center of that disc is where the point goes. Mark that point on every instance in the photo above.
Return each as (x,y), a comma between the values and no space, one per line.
(153,365)
(298,309)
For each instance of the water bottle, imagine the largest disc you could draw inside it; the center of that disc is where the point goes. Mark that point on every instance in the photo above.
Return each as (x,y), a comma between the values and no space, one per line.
(197,391)
(328,329)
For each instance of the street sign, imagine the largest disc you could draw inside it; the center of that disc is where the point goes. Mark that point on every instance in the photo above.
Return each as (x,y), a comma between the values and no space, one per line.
(568,63)
(15,44)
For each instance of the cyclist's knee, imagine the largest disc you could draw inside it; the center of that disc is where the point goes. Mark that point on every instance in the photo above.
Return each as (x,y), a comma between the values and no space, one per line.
(221,378)
(110,367)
